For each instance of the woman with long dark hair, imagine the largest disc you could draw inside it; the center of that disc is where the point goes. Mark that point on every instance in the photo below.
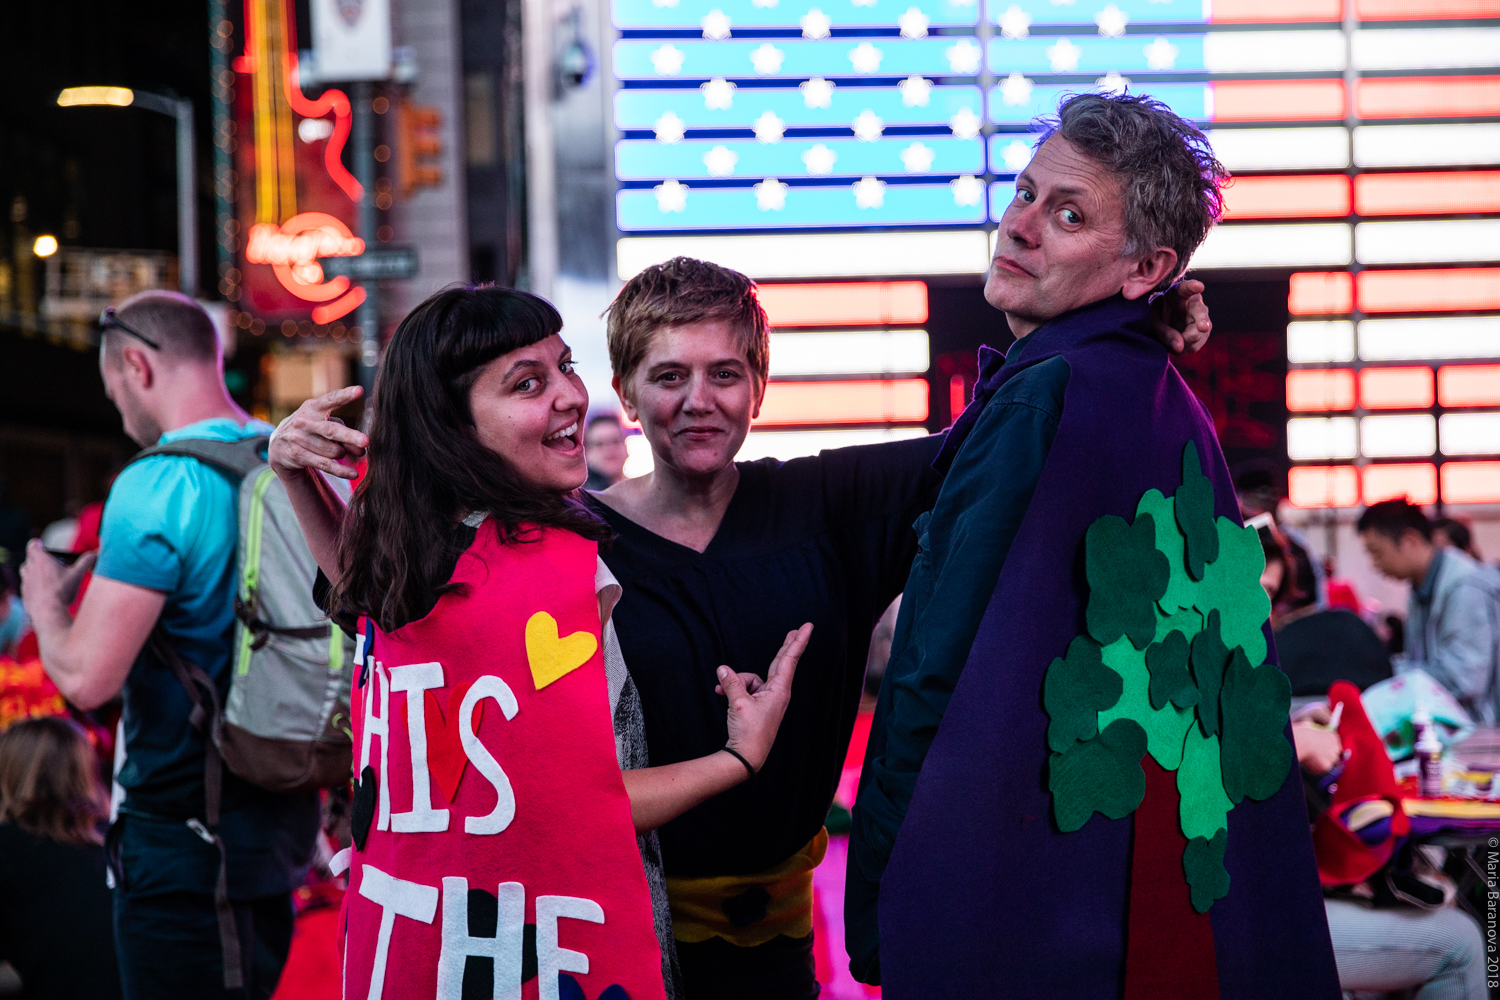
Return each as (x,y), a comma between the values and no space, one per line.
(486,834)
(55,925)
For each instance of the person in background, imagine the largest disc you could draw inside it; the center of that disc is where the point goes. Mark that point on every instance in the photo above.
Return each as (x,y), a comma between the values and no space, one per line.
(1317,646)
(166,569)
(54,903)
(604,448)
(1455,534)
(1340,589)
(1453,615)
(1438,952)
(1260,486)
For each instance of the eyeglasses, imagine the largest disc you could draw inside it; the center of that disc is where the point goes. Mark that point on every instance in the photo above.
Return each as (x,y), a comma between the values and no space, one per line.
(108,320)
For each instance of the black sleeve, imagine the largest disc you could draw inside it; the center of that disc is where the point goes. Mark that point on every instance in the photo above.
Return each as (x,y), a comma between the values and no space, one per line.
(871,495)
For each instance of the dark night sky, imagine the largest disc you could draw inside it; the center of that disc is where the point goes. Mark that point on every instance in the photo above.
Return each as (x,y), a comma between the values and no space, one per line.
(113,167)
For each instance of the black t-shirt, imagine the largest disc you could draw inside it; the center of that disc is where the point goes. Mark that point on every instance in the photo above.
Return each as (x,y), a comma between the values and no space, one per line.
(55,918)
(826,539)
(1329,646)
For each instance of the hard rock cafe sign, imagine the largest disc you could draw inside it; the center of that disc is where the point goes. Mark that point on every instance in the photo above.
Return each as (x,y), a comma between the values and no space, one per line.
(293,248)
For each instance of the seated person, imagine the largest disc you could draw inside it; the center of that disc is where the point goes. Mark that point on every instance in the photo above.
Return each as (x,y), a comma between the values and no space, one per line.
(1317,647)
(55,908)
(1380,942)
(1086,514)
(1453,613)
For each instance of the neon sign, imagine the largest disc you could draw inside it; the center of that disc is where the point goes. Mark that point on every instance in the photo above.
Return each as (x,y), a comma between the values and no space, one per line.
(293,248)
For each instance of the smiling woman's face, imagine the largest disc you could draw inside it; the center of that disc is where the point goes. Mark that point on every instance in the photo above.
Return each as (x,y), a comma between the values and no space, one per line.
(694,394)
(528,408)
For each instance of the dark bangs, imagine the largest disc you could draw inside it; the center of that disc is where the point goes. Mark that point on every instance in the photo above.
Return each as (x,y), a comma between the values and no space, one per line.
(427,469)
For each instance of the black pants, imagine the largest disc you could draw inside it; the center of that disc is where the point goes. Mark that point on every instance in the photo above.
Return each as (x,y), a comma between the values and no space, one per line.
(166,927)
(169,945)
(780,969)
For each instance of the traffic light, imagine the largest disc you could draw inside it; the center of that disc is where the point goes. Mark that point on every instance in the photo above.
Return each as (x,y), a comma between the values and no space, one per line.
(419,145)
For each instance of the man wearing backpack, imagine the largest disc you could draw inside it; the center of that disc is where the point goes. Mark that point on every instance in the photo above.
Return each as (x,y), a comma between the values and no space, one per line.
(1453,616)
(202,901)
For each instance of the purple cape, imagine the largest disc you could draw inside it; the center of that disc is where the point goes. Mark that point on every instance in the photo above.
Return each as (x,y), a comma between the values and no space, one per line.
(983,896)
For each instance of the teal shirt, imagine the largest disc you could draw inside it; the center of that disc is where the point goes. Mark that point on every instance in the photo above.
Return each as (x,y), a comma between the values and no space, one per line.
(171,524)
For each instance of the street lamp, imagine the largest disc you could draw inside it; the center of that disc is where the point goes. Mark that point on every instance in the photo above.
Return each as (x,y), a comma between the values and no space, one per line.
(180,109)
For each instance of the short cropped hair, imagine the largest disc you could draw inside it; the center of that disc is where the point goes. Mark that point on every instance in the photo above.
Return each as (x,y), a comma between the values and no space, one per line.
(682,291)
(1393,518)
(1170,176)
(178,325)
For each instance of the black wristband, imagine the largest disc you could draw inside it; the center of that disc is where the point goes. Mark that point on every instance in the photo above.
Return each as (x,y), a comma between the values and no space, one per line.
(741,758)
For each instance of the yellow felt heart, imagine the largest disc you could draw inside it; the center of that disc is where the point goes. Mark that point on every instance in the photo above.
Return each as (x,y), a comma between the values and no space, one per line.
(552,656)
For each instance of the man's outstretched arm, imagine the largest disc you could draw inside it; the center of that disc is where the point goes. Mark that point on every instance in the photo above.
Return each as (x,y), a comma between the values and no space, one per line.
(87,657)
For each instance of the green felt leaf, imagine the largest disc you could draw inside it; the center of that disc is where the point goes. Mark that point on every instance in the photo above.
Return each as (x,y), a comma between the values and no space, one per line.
(1195,513)
(1099,775)
(1231,584)
(1181,588)
(1076,689)
(1126,576)
(1200,784)
(1203,864)
(1209,659)
(1254,753)
(1170,681)
(1186,620)
(1164,727)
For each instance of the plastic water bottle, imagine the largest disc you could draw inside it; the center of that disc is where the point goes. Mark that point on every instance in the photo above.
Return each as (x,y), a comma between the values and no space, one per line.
(1429,756)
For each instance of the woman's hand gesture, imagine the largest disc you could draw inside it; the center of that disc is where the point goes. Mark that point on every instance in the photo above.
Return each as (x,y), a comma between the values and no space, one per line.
(755,710)
(312,438)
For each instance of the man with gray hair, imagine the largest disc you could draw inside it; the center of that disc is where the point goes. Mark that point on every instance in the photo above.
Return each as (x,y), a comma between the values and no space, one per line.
(1040,668)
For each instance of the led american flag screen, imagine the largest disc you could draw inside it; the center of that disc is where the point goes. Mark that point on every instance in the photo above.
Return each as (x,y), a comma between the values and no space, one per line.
(860,144)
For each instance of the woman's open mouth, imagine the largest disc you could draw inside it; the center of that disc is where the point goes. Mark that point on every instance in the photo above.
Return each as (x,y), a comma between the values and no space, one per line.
(564,440)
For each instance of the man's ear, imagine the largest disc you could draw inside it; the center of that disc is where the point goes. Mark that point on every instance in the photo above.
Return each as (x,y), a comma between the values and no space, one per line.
(760,395)
(625,402)
(137,366)
(1149,272)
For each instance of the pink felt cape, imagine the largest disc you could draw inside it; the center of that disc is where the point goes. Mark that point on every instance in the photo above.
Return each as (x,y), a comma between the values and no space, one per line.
(571,834)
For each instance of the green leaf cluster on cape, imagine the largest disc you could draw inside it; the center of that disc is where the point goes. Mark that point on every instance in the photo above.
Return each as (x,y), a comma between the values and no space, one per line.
(1171,665)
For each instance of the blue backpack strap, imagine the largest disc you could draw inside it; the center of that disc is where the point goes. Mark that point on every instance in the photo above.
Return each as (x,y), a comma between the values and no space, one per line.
(367,648)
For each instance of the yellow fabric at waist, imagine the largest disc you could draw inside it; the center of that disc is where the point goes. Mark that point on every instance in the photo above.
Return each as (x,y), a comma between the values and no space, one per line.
(749,910)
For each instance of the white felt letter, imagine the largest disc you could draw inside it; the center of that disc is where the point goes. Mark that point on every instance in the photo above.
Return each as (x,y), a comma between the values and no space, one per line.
(416,679)
(550,959)
(396,898)
(504,948)
(378,725)
(488,686)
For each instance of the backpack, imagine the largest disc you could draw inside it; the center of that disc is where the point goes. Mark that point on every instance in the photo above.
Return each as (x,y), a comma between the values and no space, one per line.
(284,724)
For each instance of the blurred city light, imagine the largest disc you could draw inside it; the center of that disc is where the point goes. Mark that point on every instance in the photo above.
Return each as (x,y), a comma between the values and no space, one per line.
(118,97)
(45,246)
